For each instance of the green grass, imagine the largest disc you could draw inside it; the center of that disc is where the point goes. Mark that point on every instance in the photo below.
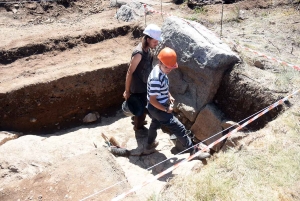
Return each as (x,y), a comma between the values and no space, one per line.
(265,14)
(193,18)
(200,10)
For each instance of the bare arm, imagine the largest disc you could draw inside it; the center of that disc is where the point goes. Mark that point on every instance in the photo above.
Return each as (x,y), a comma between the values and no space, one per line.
(171,98)
(135,60)
(159,106)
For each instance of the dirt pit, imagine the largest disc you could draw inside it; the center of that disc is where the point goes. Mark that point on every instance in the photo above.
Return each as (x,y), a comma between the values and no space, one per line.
(51,92)
(59,68)
(58,63)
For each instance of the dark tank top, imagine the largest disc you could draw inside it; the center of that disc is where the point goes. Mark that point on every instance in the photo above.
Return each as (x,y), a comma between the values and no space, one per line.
(142,71)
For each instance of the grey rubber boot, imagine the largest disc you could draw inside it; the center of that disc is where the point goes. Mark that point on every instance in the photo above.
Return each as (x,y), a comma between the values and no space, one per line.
(119,151)
(181,148)
(150,148)
(203,155)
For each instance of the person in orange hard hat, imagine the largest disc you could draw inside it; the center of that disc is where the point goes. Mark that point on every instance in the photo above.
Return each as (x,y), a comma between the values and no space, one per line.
(160,107)
(136,78)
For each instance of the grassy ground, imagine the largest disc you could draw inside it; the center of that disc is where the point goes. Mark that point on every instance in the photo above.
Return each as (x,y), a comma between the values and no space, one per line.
(266,169)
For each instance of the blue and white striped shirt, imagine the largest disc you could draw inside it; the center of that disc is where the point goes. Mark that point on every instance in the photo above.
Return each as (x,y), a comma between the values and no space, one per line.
(158,85)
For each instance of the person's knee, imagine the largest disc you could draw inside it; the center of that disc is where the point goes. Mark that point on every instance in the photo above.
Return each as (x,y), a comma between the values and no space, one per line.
(174,120)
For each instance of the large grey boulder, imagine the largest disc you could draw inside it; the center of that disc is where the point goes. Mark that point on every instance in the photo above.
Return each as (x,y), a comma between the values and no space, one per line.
(126,14)
(117,3)
(128,10)
(202,60)
(132,3)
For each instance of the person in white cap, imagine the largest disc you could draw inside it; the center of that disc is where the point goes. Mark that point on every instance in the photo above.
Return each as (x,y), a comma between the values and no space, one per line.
(139,69)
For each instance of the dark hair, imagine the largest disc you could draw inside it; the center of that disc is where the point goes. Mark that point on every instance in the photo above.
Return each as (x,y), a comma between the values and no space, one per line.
(145,42)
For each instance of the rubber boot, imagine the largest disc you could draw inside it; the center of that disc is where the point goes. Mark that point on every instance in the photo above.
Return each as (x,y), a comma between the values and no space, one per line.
(183,148)
(200,144)
(202,155)
(150,148)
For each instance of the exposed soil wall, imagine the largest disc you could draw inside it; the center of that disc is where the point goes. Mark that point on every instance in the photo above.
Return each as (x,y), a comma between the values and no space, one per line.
(240,97)
(64,102)
(61,100)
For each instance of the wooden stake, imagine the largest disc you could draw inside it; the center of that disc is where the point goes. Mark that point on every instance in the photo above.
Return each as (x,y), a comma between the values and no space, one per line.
(222,20)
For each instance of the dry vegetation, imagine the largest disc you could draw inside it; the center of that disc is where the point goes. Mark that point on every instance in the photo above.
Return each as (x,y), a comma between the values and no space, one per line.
(268,165)
(266,169)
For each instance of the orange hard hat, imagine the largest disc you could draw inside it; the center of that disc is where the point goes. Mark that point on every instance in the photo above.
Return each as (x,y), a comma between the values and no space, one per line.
(168,57)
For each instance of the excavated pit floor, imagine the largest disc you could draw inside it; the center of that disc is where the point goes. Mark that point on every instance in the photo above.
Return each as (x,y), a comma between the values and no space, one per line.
(51,79)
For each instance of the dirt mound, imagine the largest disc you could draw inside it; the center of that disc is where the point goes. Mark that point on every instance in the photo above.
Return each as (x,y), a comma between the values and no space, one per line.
(73,179)
(50,11)
(64,43)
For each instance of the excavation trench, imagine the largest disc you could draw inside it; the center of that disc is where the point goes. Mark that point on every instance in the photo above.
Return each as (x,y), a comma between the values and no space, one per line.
(46,107)
(8,56)
(74,76)
(58,87)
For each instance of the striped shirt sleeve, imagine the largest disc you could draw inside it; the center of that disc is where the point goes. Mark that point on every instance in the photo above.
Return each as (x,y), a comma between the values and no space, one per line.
(154,87)
(158,85)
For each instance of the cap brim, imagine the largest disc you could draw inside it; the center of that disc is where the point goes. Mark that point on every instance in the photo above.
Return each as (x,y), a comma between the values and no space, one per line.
(160,39)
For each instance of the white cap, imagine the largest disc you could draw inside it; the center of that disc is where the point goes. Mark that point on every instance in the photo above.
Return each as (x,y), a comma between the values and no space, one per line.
(153,31)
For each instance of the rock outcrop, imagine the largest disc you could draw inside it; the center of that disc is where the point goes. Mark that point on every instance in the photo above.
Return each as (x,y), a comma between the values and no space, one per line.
(202,60)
